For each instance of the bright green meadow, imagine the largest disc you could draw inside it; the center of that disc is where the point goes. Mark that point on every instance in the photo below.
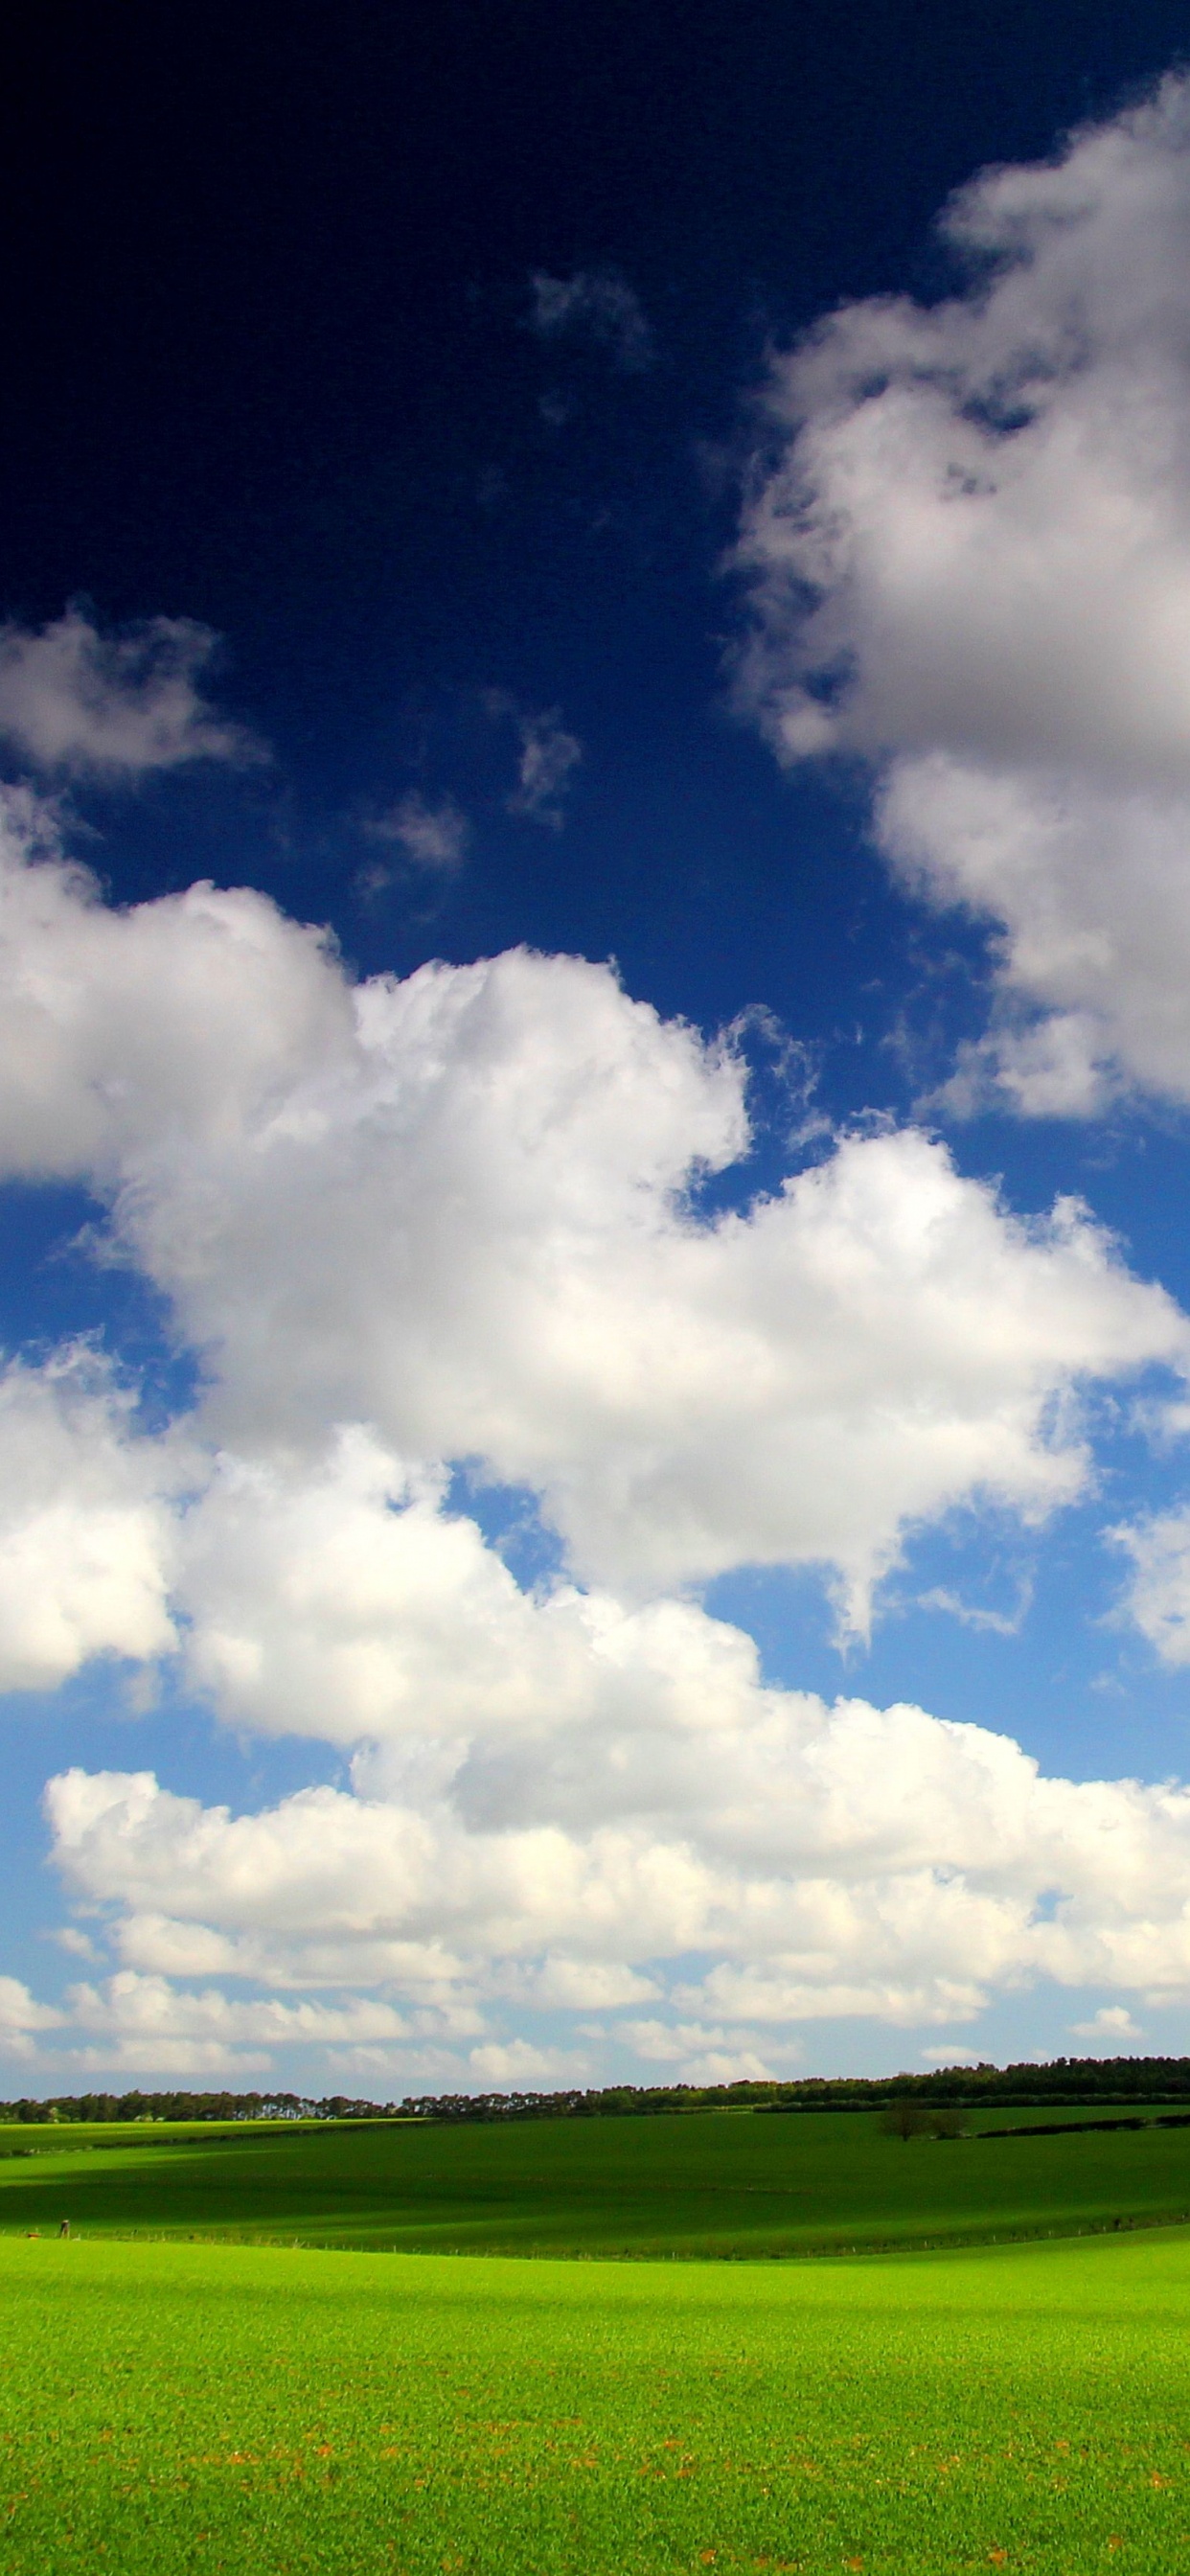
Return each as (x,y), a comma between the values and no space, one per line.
(709,2183)
(171,2407)
(434,2404)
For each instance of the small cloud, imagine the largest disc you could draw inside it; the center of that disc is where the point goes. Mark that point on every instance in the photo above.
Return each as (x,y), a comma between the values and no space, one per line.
(950,2056)
(20,2017)
(86,704)
(79,1944)
(579,1985)
(433,837)
(709,2056)
(549,755)
(598,303)
(735,2066)
(163,2057)
(517,2061)
(1113,2021)
(1000,1623)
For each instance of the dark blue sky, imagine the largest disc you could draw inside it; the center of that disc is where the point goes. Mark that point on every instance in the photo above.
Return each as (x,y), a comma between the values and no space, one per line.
(267,308)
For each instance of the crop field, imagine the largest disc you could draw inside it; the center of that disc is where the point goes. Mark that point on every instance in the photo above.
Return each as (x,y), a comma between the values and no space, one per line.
(189,2384)
(173,2407)
(706,2184)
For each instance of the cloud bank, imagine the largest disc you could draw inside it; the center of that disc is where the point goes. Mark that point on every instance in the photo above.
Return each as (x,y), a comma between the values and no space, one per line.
(456,1219)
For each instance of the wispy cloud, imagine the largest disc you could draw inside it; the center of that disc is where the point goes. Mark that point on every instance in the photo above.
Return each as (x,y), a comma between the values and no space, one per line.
(434,837)
(549,756)
(997,1623)
(597,304)
(83,703)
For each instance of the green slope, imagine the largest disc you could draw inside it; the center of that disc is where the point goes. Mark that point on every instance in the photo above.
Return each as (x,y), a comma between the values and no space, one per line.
(706,2184)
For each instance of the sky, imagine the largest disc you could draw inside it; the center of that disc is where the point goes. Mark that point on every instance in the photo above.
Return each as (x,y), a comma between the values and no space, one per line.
(594,1043)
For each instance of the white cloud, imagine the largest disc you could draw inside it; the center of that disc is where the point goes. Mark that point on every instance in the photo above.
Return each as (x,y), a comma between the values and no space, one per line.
(126,1036)
(1091,886)
(583,1985)
(456,1209)
(967,540)
(79,702)
(146,2009)
(86,1529)
(596,304)
(432,836)
(735,2064)
(146,2025)
(1112,2022)
(988,499)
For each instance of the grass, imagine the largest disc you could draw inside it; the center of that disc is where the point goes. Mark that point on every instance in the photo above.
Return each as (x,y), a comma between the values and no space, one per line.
(267,2413)
(707,2184)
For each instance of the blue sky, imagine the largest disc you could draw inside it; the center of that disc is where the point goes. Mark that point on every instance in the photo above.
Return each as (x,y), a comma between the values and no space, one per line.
(594,1058)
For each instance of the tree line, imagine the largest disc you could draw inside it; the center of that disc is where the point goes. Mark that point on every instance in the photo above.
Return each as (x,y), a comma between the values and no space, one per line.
(1063,2079)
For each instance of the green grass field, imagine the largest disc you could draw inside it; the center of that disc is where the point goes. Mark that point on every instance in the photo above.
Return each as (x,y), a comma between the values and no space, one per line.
(705,2184)
(175,2407)
(259,2407)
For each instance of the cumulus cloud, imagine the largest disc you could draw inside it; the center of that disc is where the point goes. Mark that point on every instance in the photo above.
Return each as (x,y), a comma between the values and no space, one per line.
(135,2023)
(433,837)
(137,2009)
(814,1861)
(76,701)
(1092,888)
(595,304)
(1113,2023)
(457,1211)
(967,543)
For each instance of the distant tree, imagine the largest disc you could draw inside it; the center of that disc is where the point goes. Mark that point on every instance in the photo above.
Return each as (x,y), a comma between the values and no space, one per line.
(905,2119)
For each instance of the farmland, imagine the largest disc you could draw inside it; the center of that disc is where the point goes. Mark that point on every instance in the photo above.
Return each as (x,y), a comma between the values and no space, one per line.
(173,2407)
(710,2184)
(192,2381)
